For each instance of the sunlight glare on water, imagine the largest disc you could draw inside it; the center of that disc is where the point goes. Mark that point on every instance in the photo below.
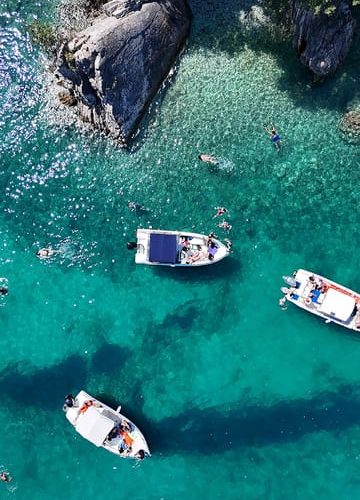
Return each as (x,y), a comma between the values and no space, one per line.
(236,397)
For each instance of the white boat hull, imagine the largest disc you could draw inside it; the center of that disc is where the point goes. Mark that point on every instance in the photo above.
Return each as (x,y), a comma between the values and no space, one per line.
(325,298)
(76,415)
(197,253)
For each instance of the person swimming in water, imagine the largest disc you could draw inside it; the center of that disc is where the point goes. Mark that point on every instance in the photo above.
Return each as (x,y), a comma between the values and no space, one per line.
(220,211)
(274,137)
(225,225)
(5,476)
(45,253)
(136,207)
(206,158)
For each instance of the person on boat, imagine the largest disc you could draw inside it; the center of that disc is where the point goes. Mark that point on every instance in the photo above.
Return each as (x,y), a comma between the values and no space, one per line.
(194,256)
(225,225)
(86,405)
(210,238)
(5,476)
(274,137)
(113,433)
(212,249)
(185,243)
(4,290)
(220,211)
(126,440)
(45,253)
(206,158)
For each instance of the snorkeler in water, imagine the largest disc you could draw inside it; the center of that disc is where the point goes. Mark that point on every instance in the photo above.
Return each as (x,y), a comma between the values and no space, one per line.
(45,253)
(5,476)
(274,137)
(206,158)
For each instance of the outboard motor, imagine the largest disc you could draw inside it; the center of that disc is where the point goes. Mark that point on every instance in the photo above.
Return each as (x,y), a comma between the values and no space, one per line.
(69,402)
(131,245)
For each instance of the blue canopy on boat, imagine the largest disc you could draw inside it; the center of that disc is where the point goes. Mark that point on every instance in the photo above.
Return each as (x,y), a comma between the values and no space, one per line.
(163,248)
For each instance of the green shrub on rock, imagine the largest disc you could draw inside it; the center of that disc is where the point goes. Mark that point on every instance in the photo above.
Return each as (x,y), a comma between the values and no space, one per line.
(43,34)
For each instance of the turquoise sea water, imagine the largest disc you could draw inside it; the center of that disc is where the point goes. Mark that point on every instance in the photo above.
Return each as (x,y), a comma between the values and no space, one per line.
(238,399)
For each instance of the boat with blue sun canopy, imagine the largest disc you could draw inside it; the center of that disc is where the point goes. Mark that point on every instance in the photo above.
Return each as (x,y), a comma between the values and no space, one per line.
(178,248)
(323,297)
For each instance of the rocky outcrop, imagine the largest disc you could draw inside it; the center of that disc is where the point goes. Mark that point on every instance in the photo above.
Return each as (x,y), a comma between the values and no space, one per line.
(322,40)
(349,124)
(114,67)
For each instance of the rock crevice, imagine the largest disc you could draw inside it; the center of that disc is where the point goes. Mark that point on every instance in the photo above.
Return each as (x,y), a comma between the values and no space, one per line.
(322,40)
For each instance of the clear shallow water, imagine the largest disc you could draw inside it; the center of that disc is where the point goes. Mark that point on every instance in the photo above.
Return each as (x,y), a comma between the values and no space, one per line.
(237,398)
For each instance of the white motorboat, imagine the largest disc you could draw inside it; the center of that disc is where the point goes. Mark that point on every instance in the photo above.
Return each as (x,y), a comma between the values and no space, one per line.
(177,248)
(327,299)
(105,427)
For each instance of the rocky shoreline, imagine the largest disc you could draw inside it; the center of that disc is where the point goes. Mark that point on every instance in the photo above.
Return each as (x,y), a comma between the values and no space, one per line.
(110,71)
(114,57)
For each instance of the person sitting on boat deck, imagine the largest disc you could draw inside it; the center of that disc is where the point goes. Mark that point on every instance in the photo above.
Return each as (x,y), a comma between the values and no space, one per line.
(4,290)
(220,211)
(225,225)
(194,256)
(126,440)
(212,251)
(185,243)
(5,476)
(126,426)
(113,433)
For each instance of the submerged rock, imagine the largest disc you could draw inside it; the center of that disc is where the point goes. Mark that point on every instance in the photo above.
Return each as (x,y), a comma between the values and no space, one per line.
(114,67)
(349,124)
(322,40)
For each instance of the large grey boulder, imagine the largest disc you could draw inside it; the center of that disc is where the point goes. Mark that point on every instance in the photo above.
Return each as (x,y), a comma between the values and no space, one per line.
(322,40)
(114,67)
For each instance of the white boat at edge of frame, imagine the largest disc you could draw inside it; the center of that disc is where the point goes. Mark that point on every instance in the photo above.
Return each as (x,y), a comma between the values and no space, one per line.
(323,297)
(156,247)
(98,423)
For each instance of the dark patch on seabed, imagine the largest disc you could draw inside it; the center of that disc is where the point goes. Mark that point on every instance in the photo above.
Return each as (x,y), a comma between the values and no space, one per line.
(183,316)
(46,387)
(215,430)
(109,358)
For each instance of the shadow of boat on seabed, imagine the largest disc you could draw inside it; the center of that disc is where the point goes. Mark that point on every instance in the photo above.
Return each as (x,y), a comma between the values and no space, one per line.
(218,429)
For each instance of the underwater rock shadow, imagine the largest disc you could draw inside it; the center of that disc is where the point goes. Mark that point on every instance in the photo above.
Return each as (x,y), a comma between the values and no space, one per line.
(45,387)
(109,358)
(216,430)
(232,35)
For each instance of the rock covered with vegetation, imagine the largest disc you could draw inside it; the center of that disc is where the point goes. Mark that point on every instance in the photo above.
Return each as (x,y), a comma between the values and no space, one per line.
(322,35)
(112,69)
